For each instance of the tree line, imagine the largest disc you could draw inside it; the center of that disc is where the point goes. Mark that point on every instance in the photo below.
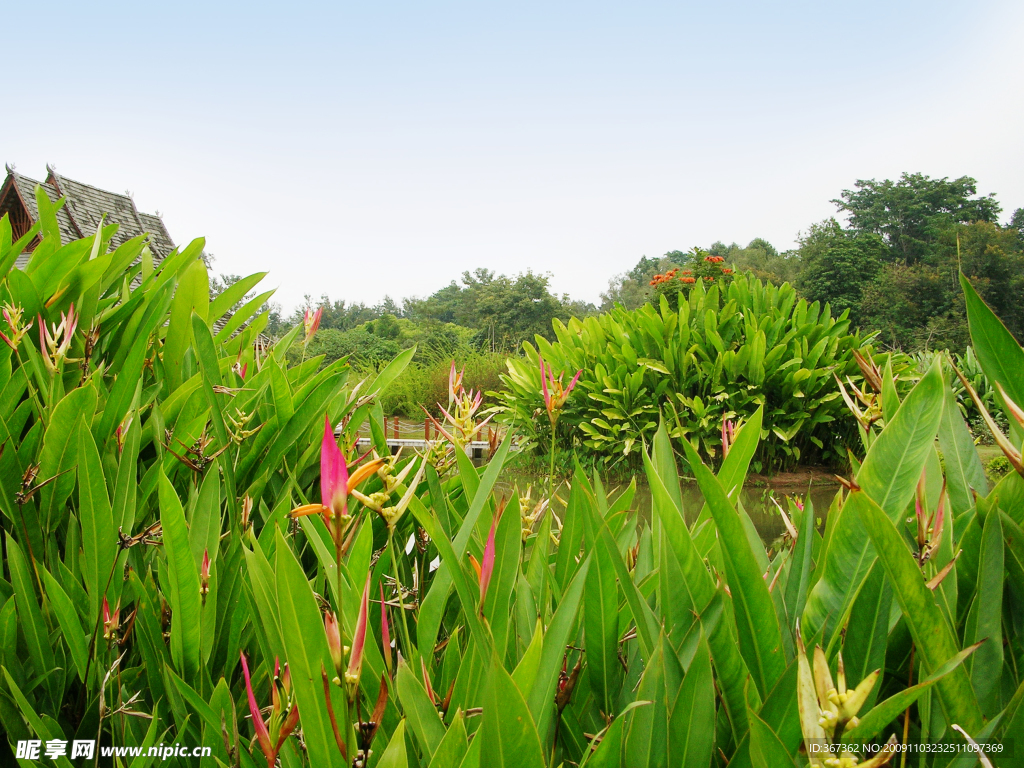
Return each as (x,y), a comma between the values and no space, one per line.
(890,256)
(893,264)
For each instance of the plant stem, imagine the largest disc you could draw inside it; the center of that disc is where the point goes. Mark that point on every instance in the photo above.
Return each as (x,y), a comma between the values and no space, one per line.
(906,714)
(398,588)
(551,466)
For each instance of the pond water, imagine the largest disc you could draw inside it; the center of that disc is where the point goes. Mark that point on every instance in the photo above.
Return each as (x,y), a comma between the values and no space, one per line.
(756,500)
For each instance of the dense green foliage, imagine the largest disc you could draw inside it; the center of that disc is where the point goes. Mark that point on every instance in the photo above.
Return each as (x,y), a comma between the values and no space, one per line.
(154,577)
(727,351)
(893,265)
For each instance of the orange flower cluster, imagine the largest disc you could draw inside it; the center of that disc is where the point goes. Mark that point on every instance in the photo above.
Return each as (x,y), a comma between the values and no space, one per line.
(659,279)
(726,271)
(687,280)
(714,259)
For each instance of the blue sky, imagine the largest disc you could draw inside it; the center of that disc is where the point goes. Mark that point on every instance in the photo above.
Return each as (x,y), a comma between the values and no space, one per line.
(383,148)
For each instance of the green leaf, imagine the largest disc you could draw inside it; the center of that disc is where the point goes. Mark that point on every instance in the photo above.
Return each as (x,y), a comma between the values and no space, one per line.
(766,750)
(879,716)
(964,472)
(985,620)
(1001,357)
(868,629)
(306,649)
(391,372)
(692,718)
(932,636)
(508,732)
(650,730)
(799,577)
(732,671)
(99,539)
(127,481)
(453,746)
(601,626)
(191,295)
(542,695)
(60,451)
(889,476)
(44,729)
(183,586)
(70,626)
(757,624)
(241,316)
(30,618)
(419,712)
(232,295)
(432,610)
(609,752)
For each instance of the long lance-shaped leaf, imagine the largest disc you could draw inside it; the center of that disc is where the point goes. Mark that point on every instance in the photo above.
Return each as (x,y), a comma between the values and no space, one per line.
(932,636)
(1001,357)
(44,729)
(693,714)
(799,577)
(757,624)
(233,294)
(644,618)
(732,670)
(601,620)
(432,608)
(30,617)
(964,472)
(192,294)
(508,732)
(99,539)
(766,749)
(541,699)
(183,583)
(879,716)
(305,644)
(985,619)
(889,476)
(420,712)
(70,626)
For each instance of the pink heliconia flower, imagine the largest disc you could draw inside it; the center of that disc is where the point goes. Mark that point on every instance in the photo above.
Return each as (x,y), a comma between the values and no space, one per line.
(385,632)
(728,436)
(929,527)
(111,620)
(554,393)
(336,485)
(55,341)
(454,383)
(355,659)
(940,514)
(204,575)
(920,513)
(262,734)
(333,473)
(311,322)
(284,714)
(487,566)
(12,315)
(426,683)
(333,639)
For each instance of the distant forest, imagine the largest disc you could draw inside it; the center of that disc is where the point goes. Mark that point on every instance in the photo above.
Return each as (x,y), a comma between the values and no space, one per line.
(890,257)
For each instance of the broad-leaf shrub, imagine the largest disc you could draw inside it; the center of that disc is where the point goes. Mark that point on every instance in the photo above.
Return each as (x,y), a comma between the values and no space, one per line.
(725,353)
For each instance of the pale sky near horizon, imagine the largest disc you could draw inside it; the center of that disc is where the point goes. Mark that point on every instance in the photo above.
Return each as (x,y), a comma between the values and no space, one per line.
(383,148)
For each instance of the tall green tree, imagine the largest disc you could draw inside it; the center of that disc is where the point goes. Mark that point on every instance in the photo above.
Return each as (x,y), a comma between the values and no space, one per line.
(836,265)
(912,212)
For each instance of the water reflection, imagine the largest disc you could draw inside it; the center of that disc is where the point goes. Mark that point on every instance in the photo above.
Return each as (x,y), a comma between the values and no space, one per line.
(757,500)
